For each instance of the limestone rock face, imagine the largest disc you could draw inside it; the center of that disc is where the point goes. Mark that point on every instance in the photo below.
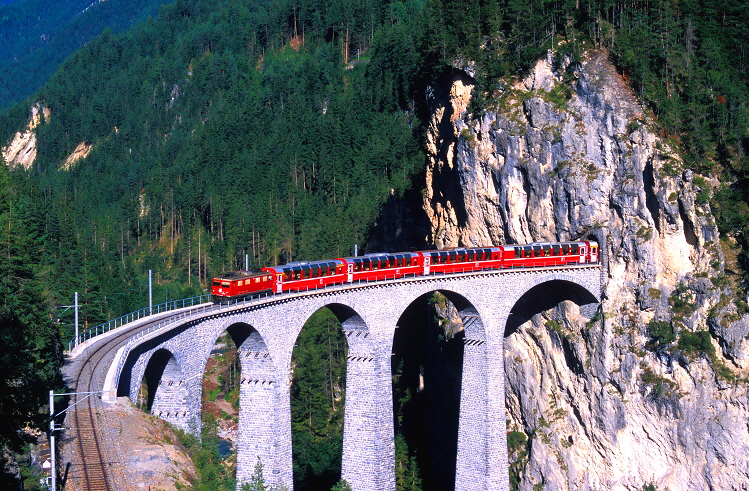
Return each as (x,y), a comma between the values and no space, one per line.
(568,153)
(21,150)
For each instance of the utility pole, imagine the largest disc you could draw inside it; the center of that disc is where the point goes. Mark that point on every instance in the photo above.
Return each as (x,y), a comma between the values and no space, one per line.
(52,434)
(75,303)
(150,292)
(66,307)
(53,428)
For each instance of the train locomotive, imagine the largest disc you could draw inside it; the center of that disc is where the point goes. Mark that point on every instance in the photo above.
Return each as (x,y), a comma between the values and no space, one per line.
(302,276)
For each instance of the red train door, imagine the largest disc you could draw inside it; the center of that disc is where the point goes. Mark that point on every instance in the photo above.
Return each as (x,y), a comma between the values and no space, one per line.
(427,261)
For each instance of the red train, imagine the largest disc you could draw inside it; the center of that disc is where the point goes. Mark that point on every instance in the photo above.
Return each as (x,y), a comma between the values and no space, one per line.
(300,276)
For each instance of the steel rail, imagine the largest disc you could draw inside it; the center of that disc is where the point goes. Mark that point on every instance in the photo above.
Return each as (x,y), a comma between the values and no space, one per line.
(87,378)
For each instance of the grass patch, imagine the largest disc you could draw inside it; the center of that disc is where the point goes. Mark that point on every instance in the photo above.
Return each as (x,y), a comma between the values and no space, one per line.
(517,451)
(645,233)
(660,387)
(654,293)
(694,344)
(682,301)
(661,334)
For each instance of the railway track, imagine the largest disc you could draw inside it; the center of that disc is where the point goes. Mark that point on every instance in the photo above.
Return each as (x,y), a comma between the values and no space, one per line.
(92,466)
(93,472)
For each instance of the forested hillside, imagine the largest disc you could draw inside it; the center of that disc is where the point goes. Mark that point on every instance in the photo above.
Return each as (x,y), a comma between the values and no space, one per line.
(37,35)
(219,131)
(31,353)
(279,129)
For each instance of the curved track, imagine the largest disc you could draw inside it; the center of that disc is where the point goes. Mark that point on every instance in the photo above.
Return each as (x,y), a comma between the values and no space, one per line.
(92,470)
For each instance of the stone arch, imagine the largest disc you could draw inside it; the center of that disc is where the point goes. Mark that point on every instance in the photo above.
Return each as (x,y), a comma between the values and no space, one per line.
(360,391)
(465,306)
(259,395)
(167,388)
(457,373)
(545,293)
(569,293)
(356,331)
(367,430)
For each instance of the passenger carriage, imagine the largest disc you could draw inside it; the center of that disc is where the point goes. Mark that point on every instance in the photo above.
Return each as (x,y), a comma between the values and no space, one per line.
(301,276)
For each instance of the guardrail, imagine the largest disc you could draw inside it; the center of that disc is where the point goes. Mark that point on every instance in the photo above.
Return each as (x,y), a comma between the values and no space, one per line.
(133,316)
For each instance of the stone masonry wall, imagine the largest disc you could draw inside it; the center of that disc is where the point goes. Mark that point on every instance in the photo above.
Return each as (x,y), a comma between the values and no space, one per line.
(267,330)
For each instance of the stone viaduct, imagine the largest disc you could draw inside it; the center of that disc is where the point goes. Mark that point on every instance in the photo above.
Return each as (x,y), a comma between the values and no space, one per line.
(173,359)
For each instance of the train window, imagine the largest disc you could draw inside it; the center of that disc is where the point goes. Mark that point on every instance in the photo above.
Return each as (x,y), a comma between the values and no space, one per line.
(225,283)
(216,283)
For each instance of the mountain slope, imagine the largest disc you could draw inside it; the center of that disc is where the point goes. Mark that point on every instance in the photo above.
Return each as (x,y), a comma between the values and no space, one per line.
(37,35)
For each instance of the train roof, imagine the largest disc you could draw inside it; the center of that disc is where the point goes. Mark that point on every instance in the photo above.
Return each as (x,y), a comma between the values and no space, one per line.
(547,246)
(380,256)
(459,250)
(305,266)
(239,275)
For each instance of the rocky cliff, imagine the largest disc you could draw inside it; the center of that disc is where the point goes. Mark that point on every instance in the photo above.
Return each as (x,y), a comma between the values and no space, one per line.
(653,390)
(21,150)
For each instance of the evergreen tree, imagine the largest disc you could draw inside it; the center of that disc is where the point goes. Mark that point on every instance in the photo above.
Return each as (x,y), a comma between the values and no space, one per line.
(257,482)
(32,354)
